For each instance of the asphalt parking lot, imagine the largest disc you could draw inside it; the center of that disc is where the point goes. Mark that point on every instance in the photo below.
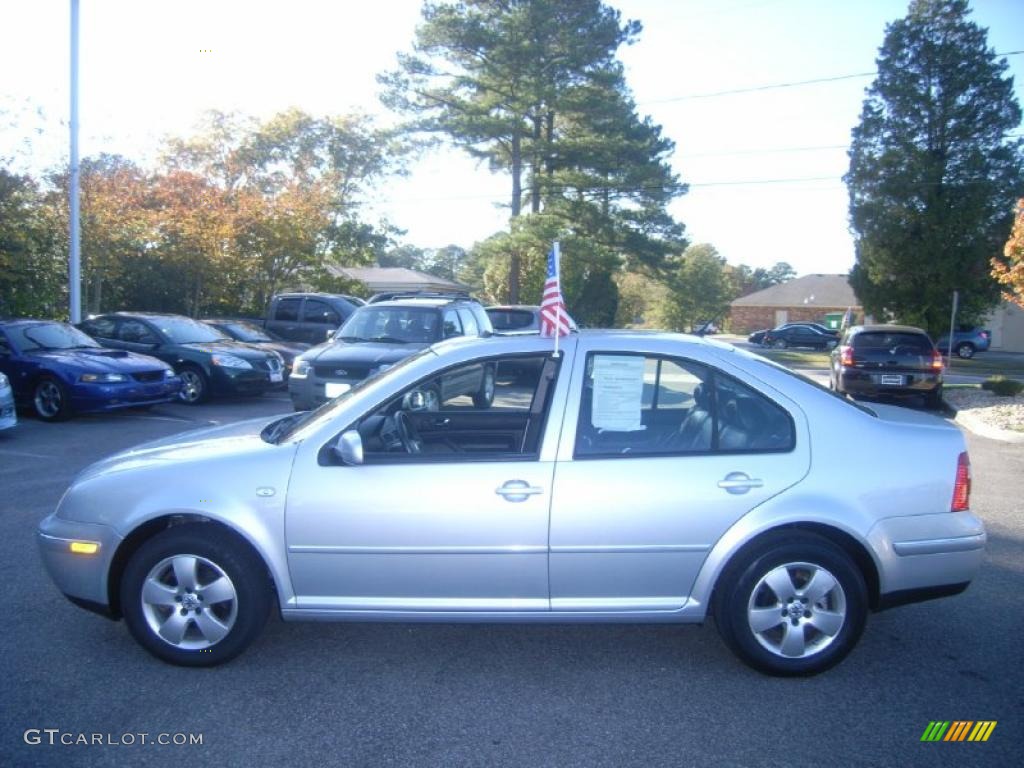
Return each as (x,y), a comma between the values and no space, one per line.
(446,695)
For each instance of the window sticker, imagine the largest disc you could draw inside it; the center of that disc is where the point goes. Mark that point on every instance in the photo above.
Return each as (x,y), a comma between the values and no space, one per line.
(618,392)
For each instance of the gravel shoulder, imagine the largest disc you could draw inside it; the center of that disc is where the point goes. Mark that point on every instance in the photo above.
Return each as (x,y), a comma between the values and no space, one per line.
(978,406)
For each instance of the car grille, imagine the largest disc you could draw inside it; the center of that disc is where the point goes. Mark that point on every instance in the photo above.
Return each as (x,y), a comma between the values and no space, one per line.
(271,364)
(148,376)
(359,371)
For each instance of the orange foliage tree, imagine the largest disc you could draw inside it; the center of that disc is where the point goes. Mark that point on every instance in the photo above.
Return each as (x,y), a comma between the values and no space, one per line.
(1009,270)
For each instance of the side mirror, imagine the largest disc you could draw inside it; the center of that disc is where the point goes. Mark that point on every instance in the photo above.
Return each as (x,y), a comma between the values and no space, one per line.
(414,401)
(349,448)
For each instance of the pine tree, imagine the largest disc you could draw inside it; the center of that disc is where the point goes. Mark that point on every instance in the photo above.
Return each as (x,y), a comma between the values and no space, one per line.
(933,175)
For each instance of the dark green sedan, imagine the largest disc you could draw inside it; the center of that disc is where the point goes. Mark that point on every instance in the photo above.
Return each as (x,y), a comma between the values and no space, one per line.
(208,362)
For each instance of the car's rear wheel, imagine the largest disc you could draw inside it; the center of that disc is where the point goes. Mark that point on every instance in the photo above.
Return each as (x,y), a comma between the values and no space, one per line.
(779,343)
(194,595)
(50,400)
(485,395)
(195,387)
(794,604)
(965,350)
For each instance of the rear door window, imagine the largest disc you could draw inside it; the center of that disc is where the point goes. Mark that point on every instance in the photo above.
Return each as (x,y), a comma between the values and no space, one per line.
(317,311)
(468,322)
(287,310)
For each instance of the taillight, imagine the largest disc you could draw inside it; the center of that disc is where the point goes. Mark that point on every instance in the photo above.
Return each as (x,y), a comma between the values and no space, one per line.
(846,355)
(936,360)
(962,487)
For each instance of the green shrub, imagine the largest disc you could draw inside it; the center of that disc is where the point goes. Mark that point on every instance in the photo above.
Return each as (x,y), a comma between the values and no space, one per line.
(1002,386)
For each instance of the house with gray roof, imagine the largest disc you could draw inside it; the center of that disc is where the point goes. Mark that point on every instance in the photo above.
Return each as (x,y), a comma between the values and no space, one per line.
(809,298)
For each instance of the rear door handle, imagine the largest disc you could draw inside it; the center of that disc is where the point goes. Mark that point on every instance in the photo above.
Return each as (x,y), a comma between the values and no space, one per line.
(739,482)
(518,490)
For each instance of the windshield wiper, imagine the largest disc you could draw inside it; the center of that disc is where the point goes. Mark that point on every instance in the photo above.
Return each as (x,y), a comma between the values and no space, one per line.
(350,338)
(389,340)
(275,430)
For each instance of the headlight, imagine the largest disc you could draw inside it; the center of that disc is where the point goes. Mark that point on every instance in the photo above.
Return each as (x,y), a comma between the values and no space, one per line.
(230,361)
(102,378)
(300,368)
(3,381)
(169,373)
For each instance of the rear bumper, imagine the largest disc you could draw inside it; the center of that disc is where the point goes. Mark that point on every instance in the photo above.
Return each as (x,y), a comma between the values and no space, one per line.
(859,382)
(927,556)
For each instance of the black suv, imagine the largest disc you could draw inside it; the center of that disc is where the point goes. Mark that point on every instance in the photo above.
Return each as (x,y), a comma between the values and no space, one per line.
(380,334)
(887,360)
(207,361)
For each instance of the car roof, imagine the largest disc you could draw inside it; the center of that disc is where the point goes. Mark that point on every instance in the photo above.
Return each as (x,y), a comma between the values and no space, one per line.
(509,307)
(419,302)
(13,321)
(885,329)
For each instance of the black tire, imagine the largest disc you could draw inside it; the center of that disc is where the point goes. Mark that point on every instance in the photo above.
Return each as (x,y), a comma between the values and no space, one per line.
(779,344)
(216,553)
(965,350)
(743,598)
(50,399)
(933,399)
(485,395)
(195,386)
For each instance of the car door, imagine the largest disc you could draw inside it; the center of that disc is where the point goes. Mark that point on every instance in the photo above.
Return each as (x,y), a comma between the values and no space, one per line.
(318,320)
(461,526)
(660,456)
(284,318)
(138,336)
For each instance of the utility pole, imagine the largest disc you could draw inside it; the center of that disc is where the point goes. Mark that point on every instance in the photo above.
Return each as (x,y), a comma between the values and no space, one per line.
(74,257)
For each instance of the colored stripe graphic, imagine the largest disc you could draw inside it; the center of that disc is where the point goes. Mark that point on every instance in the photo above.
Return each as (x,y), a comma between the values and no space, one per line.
(982,730)
(958,730)
(935,730)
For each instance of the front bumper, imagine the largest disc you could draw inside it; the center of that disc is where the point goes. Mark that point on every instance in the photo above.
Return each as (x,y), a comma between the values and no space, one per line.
(924,554)
(83,578)
(127,394)
(242,381)
(309,392)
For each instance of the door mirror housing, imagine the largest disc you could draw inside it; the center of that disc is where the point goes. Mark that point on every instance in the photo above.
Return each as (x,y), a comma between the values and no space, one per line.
(349,448)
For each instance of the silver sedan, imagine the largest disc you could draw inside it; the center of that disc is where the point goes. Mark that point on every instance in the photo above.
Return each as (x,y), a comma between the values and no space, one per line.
(634,477)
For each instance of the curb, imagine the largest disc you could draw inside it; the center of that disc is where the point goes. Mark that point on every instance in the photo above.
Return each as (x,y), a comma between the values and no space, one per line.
(971,422)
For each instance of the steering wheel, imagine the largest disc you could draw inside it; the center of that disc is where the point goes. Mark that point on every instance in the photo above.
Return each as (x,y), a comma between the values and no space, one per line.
(411,440)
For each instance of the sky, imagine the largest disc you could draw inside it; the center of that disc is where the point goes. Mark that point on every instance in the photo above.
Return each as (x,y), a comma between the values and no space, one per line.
(764,166)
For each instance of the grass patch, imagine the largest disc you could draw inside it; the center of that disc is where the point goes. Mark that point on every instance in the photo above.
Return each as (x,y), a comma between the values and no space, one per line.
(983,366)
(800,358)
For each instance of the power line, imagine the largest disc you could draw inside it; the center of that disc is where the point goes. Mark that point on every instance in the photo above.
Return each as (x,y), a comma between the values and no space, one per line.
(777,86)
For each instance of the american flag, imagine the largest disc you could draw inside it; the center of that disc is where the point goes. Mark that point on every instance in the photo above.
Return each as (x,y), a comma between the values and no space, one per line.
(554,320)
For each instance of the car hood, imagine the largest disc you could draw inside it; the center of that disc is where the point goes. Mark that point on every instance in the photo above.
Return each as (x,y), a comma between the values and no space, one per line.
(236,348)
(369,353)
(199,445)
(287,350)
(99,360)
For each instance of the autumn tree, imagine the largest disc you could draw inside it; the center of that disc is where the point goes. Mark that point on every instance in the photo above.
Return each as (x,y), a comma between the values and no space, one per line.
(1009,270)
(933,174)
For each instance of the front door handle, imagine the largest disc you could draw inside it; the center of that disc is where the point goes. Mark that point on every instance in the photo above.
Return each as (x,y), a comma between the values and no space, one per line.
(739,482)
(518,490)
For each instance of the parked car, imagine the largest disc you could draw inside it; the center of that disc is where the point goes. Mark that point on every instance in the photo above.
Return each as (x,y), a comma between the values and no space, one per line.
(58,371)
(757,337)
(309,318)
(512,319)
(208,362)
(887,360)
(967,340)
(8,416)
(643,477)
(379,335)
(252,334)
(801,335)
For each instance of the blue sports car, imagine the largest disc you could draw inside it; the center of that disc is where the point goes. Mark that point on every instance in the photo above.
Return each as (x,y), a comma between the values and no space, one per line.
(58,370)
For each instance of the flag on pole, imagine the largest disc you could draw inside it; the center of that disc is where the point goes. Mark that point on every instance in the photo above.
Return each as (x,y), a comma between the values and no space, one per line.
(554,319)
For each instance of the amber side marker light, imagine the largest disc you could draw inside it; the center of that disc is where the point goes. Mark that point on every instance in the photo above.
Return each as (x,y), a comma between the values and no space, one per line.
(84,547)
(962,487)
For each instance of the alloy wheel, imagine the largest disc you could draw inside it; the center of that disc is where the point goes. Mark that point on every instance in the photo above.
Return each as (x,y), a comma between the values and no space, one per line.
(189,602)
(48,399)
(191,386)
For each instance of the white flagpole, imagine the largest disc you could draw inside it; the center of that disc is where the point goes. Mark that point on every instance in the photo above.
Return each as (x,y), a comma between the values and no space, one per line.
(558,306)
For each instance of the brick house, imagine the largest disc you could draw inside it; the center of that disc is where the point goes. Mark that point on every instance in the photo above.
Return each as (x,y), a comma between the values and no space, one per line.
(809,298)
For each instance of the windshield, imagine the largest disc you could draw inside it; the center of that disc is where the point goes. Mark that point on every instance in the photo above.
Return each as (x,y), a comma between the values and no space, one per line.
(396,325)
(246,332)
(40,336)
(185,330)
(289,426)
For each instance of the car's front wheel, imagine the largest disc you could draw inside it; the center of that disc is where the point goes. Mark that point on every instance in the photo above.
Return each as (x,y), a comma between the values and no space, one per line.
(195,387)
(794,604)
(194,595)
(965,350)
(50,400)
